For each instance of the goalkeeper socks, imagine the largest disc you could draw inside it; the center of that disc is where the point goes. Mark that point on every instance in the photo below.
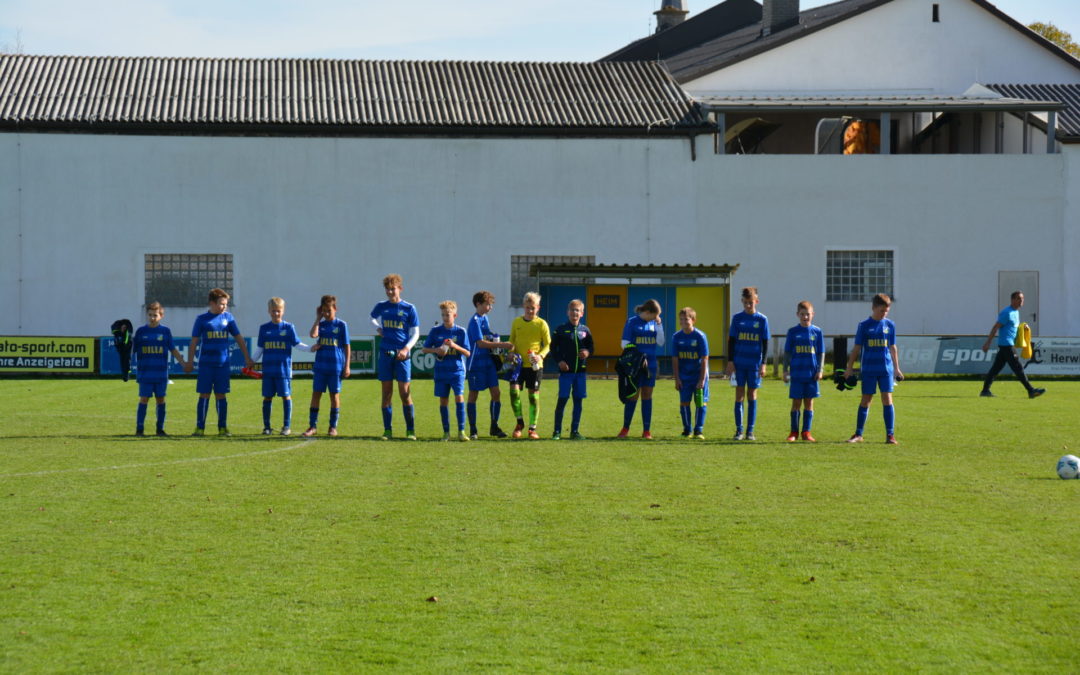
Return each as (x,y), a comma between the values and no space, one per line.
(751,415)
(267,404)
(515,403)
(335,415)
(222,413)
(140,417)
(738,415)
(646,414)
(161,417)
(860,422)
(794,421)
(444,415)
(313,418)
(699,425)
(286,406)
(459,410)
(628,413)
(201,410)
(889,414)
(387,417)
(534,408)
(560,408)
(575,415)
(684,415)
(471,408)
(807,420)
(410,419)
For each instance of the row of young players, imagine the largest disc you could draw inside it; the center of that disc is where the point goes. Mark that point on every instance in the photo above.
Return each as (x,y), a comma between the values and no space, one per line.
(467,354)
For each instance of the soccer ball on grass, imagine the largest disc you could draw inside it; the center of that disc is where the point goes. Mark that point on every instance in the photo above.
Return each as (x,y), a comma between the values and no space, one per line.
(1068,467)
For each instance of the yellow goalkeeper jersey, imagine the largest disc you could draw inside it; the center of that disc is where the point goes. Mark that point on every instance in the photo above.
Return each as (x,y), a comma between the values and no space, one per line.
(530,336)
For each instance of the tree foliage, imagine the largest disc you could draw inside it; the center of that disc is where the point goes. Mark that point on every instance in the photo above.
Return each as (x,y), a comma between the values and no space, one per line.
(1058,36)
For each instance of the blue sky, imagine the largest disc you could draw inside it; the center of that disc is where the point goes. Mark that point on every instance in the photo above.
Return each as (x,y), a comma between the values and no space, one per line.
(498,30)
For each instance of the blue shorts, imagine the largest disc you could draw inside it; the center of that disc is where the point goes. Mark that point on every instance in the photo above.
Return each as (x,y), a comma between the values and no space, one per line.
(483,377)
(572,383)
(323,381)
(748,377)
(155,389)
(443,386)
(213,379)
(804,389)
(389,368)
(648,379)
(276,386)
(689,387)
(871,383)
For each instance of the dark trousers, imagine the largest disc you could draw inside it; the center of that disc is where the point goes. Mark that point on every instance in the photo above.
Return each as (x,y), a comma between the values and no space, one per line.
(1006,355)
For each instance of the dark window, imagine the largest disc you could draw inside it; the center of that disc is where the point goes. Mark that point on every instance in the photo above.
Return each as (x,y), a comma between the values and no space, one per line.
(858,276)
(184,279)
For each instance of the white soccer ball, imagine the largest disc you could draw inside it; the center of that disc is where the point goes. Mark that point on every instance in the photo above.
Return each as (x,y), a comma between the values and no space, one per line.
(1068,467)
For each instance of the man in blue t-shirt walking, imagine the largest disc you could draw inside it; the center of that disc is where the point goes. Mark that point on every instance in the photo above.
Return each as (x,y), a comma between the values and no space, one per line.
(1008,322)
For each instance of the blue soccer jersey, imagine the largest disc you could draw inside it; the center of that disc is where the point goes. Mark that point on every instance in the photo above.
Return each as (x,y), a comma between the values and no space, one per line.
(751,334)
(215,332)
(805,347)
(277,341)
(1009,319)
(453,364)
(642,334)
(479,329)
(333,338)
(151,348)
(690,348)
(395,319)
(875,338)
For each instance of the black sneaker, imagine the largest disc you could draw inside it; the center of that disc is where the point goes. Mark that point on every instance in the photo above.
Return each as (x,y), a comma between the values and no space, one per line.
(139,432)
(496,432)
(986,393)
(161,432)
(1035,393)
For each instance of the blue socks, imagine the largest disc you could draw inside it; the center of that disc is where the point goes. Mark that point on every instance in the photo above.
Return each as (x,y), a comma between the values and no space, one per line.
(387,417)
(222,413)
(471,408)
(313,418)
(795,421)
(575,416)
(738,415)
(560,408)
(459,410)
(628,413)
(286,405)
(496,408)
(140,416)
(684,415)
(807,419)
(646,414)
(201,411)
(699,425)
(860,421)
(161,417)
(267,405)
(751,415)
(444,414)
(890,419)
(335,414)
(410,422)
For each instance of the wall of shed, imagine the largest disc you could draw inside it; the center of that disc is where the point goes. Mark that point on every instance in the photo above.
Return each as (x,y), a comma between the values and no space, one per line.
(305,217)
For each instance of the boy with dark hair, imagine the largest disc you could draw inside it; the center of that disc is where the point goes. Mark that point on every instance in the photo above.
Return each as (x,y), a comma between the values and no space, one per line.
(690,363)
(152,345)
(333,354)
(748,344)
(572,344)
(875,343)
(481,371)
(212,331)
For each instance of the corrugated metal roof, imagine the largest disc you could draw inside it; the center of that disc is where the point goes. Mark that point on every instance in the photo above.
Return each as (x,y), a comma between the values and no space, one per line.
(399,95)
(1069,94)
(877,103)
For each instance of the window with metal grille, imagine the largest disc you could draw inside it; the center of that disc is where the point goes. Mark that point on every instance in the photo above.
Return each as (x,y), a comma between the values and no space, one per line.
(858,275)
(521,283)
(184,279)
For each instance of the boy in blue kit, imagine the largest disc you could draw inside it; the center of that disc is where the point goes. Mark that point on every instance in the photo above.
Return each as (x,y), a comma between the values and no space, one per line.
(875,342)
(480,368)
(399,325)
(748,345)
(275,344)
(213,331)
(804,359)
(451,344)
(645,330)
(333,354)
(691,366)
(571,343)
(152,345)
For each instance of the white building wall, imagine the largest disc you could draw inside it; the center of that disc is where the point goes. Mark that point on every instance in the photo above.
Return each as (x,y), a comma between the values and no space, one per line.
(305,217)
(897,48)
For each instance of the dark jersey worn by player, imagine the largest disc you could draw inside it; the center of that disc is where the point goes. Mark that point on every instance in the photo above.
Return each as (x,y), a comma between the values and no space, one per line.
(395,319)
(333,338)
(215,332)
(643,334)
(690,348)
(875,337)
(277,341)
(749,337)
(479,329)
(152,347)
(452,365)
(567,341)
(805,347)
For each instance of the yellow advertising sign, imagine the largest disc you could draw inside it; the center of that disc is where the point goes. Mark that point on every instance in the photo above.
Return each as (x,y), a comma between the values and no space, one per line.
(47,355)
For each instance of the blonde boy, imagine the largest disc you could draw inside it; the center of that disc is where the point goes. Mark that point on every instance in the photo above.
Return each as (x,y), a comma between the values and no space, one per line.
(532,340)
(274,347)
(450,344)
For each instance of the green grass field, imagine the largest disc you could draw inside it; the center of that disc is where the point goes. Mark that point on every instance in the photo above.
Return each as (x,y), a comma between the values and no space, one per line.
(955,551)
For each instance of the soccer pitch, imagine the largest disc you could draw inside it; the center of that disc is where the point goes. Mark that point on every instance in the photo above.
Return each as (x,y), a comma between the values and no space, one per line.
(955,551)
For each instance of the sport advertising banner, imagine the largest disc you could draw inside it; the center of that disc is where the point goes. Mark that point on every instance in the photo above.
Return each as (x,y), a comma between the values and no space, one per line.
(964,355)
(110,360)
(47,355)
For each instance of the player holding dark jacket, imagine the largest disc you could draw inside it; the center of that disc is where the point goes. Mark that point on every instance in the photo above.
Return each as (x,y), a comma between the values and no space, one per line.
(571,345)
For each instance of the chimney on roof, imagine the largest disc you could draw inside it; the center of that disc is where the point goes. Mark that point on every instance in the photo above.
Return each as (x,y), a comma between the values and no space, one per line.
(672,13)
(776,15)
